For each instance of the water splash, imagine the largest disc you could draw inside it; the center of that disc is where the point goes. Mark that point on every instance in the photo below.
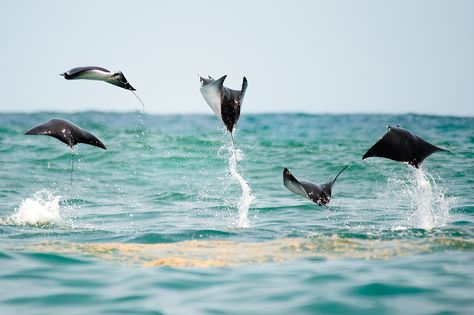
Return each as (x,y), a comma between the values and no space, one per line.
(432,207)
(426,199)
(424,192)
(39,210)
(246,198)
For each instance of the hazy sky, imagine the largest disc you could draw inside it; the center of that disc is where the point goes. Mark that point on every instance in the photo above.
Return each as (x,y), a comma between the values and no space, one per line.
(305,56)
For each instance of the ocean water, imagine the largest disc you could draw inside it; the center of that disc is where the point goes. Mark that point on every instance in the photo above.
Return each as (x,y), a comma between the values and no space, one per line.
(171,220)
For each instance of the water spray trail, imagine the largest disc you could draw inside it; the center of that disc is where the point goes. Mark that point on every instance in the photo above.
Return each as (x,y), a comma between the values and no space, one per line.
(424,198)
(233,147)
(72,163)
(141,122)
(246,198)
(432,204)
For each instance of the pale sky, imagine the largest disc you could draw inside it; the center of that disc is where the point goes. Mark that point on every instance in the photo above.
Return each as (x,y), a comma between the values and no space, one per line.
(299,56)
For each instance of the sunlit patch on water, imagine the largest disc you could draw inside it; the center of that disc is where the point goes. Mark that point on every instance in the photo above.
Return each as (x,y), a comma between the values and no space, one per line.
(224,253)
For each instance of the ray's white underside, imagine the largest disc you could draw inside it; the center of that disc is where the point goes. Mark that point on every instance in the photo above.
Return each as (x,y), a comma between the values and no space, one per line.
(295,187)
(212,95)
(95,75)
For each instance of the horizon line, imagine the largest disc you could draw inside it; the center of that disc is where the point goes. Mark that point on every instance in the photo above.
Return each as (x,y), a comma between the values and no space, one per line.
(2,112)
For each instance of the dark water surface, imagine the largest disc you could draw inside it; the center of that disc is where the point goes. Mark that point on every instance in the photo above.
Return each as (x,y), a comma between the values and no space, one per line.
(159,224)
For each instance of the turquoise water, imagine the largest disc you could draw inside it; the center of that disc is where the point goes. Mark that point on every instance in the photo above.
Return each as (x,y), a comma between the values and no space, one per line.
(163,223)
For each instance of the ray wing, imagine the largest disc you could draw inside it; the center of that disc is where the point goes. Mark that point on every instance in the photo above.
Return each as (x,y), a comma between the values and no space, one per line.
(212,93)
(78,70)
(88,138)
(293,184)
(327,188)
(54,128)
(390,146)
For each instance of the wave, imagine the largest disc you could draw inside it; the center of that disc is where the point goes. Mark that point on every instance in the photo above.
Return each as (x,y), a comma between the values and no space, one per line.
(155,238)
